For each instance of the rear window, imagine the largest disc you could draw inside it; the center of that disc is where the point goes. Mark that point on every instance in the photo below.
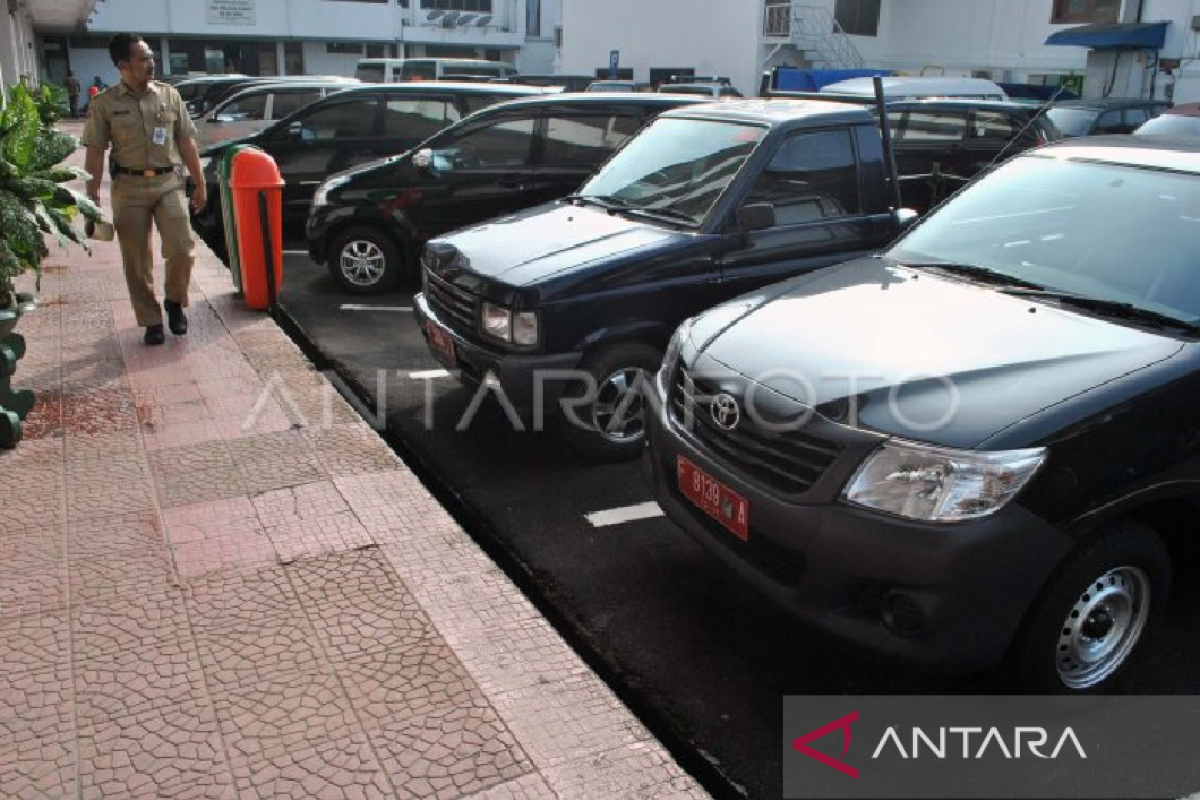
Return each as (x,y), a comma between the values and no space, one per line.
(991,126)
(370,73)
(931,126)
(287,103)
(1073,121)
(585,141)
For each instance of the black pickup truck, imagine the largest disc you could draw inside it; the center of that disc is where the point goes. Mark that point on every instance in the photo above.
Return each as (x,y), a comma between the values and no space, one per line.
(565,309)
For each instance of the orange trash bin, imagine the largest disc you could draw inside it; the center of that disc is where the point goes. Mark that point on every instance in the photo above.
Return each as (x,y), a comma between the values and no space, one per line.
(257,189)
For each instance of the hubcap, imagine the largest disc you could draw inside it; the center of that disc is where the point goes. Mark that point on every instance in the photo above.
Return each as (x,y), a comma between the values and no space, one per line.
(1102,627)
(618,413)
(362,263)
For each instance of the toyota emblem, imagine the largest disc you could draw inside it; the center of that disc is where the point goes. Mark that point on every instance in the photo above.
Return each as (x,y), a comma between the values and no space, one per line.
(725,412)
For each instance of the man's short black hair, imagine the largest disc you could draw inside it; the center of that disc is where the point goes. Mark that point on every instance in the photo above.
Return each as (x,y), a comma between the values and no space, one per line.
(120,45)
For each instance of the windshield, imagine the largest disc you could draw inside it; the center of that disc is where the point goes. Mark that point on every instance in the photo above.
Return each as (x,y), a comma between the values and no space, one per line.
(676,165)
(1103,231)
(1073,121)
(1171,125)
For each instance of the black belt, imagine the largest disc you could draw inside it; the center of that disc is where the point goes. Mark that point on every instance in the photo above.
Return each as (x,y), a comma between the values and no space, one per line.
(145,173)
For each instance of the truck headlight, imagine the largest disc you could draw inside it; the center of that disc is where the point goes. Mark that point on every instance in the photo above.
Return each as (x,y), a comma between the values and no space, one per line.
(941,485)
(520,327)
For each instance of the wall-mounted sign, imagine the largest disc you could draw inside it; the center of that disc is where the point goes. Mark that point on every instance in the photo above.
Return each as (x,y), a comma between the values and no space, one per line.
(231,12)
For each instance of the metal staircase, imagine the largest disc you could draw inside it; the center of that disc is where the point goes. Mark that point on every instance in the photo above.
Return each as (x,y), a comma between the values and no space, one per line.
(814,31)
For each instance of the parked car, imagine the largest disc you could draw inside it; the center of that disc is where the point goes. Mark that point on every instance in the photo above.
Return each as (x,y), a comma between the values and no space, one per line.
(400,70)
(978,444)
(369,224)
(707,202)
(611,86)
(193,90)
(250,110)
(941,144)
(919,88)
(214,91)
(363,123)
(715,91)
(1183,120)
(1100,117)
(569,83)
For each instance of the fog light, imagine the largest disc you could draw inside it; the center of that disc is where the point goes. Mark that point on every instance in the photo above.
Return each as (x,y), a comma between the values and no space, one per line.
(902,614)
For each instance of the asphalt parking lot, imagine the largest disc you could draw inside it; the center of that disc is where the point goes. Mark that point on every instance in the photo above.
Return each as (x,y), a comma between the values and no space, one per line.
(703,661)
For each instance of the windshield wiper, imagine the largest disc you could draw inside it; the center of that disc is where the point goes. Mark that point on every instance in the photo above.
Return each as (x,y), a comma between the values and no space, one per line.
(604,201)
(1109,308)
(974,271)
(669,214)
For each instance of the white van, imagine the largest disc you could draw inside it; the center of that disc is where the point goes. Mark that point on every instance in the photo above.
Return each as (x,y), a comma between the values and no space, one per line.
(402,70)
(919,88)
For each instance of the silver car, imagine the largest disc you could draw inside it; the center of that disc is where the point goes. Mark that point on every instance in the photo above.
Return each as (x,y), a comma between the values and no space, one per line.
(257,106)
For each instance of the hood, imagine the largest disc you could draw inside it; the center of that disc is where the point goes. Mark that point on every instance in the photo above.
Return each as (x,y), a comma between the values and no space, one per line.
(217,148)
(915,354)
(542,242)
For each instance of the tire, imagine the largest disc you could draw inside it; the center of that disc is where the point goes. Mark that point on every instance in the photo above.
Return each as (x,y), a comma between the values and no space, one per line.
(1117,583)
(592,429)
(365,260)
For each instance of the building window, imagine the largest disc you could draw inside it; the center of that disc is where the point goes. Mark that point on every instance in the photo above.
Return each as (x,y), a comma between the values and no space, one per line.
(293,58)
(533,17)
(458,5)
(1084,11)
(858,17)
(354,48)
(381,51)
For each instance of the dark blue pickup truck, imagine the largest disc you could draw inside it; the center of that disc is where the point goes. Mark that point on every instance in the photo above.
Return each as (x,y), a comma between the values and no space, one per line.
(566,308)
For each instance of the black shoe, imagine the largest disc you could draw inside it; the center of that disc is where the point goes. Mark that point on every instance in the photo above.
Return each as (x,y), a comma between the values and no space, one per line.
(175,317)
(154,334)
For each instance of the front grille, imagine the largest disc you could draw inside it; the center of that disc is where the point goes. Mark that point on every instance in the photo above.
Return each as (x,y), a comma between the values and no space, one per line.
(789,461)
(452,304)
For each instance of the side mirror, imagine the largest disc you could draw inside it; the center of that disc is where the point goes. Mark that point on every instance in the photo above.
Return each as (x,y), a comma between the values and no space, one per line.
(904,218)
(756,217)
(424,161)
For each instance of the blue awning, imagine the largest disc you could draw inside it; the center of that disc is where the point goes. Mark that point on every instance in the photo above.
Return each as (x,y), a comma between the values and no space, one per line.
(1124,36)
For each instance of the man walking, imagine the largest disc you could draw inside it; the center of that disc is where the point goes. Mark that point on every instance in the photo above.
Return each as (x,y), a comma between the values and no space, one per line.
(150,132)
(72,84)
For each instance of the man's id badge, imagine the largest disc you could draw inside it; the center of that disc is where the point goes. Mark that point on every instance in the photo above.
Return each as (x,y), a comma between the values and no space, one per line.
(160,135)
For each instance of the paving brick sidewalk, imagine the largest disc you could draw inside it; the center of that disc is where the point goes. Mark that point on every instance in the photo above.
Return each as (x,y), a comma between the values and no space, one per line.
(217,581)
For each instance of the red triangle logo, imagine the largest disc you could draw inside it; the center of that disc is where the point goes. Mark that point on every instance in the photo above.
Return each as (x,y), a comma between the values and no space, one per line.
(843,724)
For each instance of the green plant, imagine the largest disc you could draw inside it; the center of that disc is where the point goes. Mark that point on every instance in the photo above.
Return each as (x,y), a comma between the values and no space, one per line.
(34,200)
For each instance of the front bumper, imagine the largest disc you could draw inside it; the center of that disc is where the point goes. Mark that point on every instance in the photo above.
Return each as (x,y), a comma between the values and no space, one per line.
(946,596)
(517,375)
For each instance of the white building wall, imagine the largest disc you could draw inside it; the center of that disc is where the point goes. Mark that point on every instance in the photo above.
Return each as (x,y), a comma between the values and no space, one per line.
(17,54)
(319,62)
(714,37)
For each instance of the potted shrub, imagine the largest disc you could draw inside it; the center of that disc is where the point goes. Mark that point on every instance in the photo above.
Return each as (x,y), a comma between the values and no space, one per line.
(34,203)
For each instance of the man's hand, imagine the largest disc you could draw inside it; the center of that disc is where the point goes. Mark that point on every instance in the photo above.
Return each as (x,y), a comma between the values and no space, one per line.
(199,198)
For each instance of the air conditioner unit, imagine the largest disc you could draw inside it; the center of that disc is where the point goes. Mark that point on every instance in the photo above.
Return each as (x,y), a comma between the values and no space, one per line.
(1196,23)
(558,36)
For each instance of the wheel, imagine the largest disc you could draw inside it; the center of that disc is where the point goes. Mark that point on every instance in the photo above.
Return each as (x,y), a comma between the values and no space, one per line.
(609,423)
(365,260)
(1093,613)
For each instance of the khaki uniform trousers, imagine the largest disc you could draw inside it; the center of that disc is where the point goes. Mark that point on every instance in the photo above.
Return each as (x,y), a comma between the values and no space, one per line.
(137,201)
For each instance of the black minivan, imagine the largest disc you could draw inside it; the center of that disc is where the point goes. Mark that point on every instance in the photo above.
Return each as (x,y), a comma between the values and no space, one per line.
(361,124)
(369,223)
(983,442)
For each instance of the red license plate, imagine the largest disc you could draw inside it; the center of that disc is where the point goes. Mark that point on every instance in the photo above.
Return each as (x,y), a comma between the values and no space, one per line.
(442,345)
(715,499)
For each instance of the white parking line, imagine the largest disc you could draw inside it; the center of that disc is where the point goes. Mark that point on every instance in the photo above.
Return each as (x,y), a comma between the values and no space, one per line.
(433,373)
(362,307)
(619,516)
(295,252)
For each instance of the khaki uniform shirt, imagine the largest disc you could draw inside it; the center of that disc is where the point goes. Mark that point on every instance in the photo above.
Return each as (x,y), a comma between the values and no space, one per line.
(130,121)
